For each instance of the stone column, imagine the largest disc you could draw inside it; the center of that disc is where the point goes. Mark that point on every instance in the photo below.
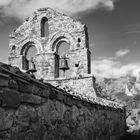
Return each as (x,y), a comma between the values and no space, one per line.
(46,65)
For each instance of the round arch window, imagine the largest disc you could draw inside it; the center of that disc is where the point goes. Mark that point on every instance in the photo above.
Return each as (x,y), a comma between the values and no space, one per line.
(44,27)
(28,55)
(61,63)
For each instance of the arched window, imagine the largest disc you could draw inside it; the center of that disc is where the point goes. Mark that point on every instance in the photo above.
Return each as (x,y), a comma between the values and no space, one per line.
(63,47)
(30,56)
(28,52)
(44,27)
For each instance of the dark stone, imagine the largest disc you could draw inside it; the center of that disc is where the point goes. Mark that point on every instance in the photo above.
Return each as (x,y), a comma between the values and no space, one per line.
(10,98)
(6,120)
(32,99)
(24,86)
(3,133)
(53,94)
(14,69)
(13,84)
(5,66)
(68,101)
(41,91)
(77,103)
(46,92)
(4,80)
(60,96)
(37,90)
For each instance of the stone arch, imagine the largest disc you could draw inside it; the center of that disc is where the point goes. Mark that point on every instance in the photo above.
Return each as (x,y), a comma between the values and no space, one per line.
(29,42)
(57,43)
(24,48)
(60,37)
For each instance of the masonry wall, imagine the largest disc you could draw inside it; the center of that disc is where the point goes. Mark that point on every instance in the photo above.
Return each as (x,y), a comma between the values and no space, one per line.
(83,85)
(32,110)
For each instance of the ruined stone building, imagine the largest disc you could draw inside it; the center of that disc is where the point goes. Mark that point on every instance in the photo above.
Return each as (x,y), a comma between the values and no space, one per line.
(61,102)
(62,29)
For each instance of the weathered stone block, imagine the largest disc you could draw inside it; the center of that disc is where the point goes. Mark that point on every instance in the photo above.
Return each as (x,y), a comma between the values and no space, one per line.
(4,80)
(53,94)
(41,91)
(68,101)
(10,98)
(46,92)
(60,97)
(37,90)
(6,119)
(32,99)
(13,84)
(24,86)
(3,134)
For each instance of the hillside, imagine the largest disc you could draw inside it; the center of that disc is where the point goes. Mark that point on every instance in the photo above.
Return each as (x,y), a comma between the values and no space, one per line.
(125,90)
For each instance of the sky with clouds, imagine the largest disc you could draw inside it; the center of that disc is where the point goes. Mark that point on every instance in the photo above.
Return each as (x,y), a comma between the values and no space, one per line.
(113,25)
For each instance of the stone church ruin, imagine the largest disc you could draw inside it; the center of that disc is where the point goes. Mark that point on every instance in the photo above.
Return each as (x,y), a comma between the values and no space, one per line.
(60,101)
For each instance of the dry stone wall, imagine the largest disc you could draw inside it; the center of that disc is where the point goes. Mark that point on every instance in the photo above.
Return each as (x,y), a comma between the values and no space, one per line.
(32,110)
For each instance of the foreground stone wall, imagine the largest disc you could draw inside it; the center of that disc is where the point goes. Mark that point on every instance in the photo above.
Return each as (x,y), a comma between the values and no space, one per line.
(32,110)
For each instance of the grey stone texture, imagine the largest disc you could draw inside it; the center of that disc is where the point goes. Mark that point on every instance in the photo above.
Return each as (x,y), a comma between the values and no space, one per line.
(44,112)
(84,85)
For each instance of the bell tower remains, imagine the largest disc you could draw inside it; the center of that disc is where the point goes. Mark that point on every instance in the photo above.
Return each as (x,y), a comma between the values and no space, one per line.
(50,32)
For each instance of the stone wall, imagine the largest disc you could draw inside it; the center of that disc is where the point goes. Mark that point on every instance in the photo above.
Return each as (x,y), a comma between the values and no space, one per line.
(32,110)
(83,85)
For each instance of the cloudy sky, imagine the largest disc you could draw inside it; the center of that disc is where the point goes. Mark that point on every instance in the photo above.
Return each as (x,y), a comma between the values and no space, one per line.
(114,30)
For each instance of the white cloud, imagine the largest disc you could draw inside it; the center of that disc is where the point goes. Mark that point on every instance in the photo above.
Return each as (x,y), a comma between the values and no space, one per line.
(122,52)
(4,2)
(23,8)
(108,68)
